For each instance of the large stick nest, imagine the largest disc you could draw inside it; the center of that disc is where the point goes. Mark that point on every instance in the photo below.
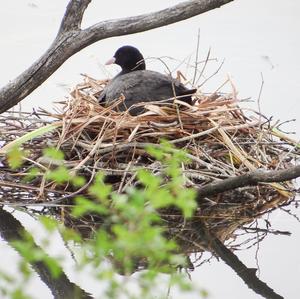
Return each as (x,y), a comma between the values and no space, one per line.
(221,138)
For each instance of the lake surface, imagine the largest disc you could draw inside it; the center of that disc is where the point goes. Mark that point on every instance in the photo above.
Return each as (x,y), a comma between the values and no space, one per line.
(256,38)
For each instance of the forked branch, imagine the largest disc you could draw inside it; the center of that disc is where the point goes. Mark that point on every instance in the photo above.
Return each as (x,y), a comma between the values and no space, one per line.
(71,39)
(73,16)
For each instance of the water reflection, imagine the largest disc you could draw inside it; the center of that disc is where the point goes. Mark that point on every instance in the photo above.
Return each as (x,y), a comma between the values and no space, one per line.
(241,32)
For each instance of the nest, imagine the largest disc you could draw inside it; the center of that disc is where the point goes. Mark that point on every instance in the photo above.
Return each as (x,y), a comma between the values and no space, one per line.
(221,140)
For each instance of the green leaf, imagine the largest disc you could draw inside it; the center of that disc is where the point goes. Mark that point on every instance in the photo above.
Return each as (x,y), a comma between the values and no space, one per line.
(84,206)
(53,153)
(52,265)
(29,136)
(204,293)
(103,242)
(32,174)
(155,152)
(162,198)
(6,277)
(69,234)
(148,179)
(60,175)
(15,157)
(49,223)
(78,181)
(32,253)
(186,202)
(19,294)
(101,192)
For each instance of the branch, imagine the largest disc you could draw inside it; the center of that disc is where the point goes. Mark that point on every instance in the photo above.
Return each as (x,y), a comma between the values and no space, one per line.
(250,179)
(248,275)
(174,14)
(61,287)
(73,16)
(71,39)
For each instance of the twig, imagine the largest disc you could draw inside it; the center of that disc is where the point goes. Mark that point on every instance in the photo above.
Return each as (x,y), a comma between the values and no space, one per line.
(197,57)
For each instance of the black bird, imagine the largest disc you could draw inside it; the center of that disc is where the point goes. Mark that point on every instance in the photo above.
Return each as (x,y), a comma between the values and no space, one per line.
(140,85)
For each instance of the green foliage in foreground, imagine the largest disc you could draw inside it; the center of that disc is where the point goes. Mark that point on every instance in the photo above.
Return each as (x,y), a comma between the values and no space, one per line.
(132,230)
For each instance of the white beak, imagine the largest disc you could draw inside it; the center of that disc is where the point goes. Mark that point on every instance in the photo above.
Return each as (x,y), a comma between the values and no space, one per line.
(111,61)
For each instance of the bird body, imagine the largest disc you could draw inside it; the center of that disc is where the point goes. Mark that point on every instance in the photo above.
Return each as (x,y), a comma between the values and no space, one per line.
(139,85)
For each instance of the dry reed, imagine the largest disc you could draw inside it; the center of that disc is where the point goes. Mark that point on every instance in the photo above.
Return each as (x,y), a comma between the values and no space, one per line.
(221,140)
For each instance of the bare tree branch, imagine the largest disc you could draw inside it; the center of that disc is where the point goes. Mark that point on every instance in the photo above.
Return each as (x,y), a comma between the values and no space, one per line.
(73,16)
(71,39)
(124,26)
(250,179)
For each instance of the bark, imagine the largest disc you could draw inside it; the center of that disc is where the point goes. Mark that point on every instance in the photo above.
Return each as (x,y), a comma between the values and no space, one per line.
(250,179)
(71,39)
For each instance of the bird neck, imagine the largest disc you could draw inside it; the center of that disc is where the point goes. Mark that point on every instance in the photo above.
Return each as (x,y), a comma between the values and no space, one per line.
(139,67)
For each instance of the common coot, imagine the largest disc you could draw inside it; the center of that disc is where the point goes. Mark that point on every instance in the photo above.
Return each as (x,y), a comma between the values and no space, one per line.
(140,85)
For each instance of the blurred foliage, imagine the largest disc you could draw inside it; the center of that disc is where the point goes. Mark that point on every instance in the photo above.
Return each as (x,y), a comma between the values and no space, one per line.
(132,229)
(15,157)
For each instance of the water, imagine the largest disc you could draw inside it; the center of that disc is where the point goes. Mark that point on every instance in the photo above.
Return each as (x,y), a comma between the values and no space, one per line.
(255,37)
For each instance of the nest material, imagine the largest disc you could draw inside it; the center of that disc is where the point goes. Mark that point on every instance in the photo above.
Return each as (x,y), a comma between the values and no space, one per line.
(222,140)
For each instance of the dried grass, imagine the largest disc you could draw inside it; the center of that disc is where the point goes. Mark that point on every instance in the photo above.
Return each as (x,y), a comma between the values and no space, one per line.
(221,139)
